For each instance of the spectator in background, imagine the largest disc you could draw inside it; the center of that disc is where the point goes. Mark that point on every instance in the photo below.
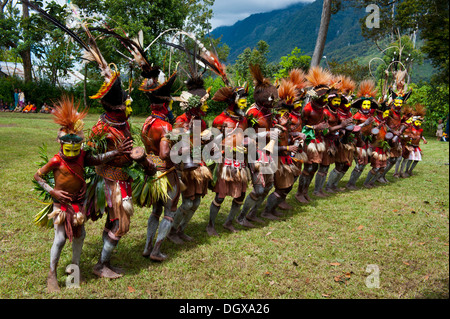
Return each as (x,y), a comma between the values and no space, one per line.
(3,106)
(29,108)
(21,99)
(45,108)
(16,98)
(440,130)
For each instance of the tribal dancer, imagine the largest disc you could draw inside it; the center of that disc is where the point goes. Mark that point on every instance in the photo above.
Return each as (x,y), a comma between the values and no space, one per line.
(284,177)
(69,190)
(195,181)
(379,145)
(331,137)
(394,122)
(154,135)
(366,105)
(113,125)
(347,142)
(260,119)
(297,77)
(414,136)
(231,174)
(314,123)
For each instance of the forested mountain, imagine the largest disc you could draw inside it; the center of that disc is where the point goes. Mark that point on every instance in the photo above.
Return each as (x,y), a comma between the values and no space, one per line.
(297,26)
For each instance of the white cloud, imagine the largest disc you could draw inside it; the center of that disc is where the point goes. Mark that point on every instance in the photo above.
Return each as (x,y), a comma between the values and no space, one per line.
(228,12)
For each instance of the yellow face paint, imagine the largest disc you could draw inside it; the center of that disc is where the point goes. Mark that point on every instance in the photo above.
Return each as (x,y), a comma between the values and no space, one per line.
(336,101)
(71,150)
(417,123)
(242,103)
(282,112)
(297,105)
(366,105)
(385,113)
(128,108)
(409,121)
(325,98)
(347,105)
(398,103)
(204,108)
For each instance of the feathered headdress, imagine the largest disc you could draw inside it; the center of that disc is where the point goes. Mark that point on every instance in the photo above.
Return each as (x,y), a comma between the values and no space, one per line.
(265,93)
(318,80)
(67,114)
(419,112)
(204,57)
(367,91)
(287,93)
(111,91)
(297,77)
(347,87)
(399,91)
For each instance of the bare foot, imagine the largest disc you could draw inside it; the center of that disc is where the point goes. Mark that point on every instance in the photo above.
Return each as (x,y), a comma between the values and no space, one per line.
(102,271)
(211,231)
(230,227)
(52,283)
(244,222)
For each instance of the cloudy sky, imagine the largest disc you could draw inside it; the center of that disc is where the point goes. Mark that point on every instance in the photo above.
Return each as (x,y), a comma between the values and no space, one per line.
(227,12)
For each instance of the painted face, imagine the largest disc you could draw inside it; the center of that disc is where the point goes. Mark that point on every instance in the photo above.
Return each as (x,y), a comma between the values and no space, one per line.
(398,103)
(298,105)
(336,101)
(71,150)
(282,112)
(365,106)
(417,123)
(385,114)
(204,108)
(242,103)
(409,121)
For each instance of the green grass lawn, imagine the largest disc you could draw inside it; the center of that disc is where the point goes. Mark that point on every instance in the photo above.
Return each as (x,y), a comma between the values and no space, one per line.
(319,250)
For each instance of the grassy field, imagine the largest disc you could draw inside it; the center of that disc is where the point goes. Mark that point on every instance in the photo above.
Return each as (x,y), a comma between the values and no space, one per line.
(318,251)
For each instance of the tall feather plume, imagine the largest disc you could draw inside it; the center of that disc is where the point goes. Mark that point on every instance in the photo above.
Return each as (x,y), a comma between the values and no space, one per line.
(287,91)
(297,76)
(407,111)
(346,85)
(367,89)
(420,110)
(67,114)
(135,47)
(207,57)
(92,53)
(400,77)
(258,77)
(215,65)
(223,94)
(318,76)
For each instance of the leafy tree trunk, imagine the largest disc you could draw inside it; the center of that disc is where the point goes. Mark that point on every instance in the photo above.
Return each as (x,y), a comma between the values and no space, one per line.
(322,36)
(26,53)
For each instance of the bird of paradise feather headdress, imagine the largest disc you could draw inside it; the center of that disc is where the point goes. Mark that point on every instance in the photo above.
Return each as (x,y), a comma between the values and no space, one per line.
(419,112)
(297,77)
(68,115)
(347,87)
(318,81)
(265,92)
(196,58)
(367,91)
(110,93)
(287,93)
(399,91)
